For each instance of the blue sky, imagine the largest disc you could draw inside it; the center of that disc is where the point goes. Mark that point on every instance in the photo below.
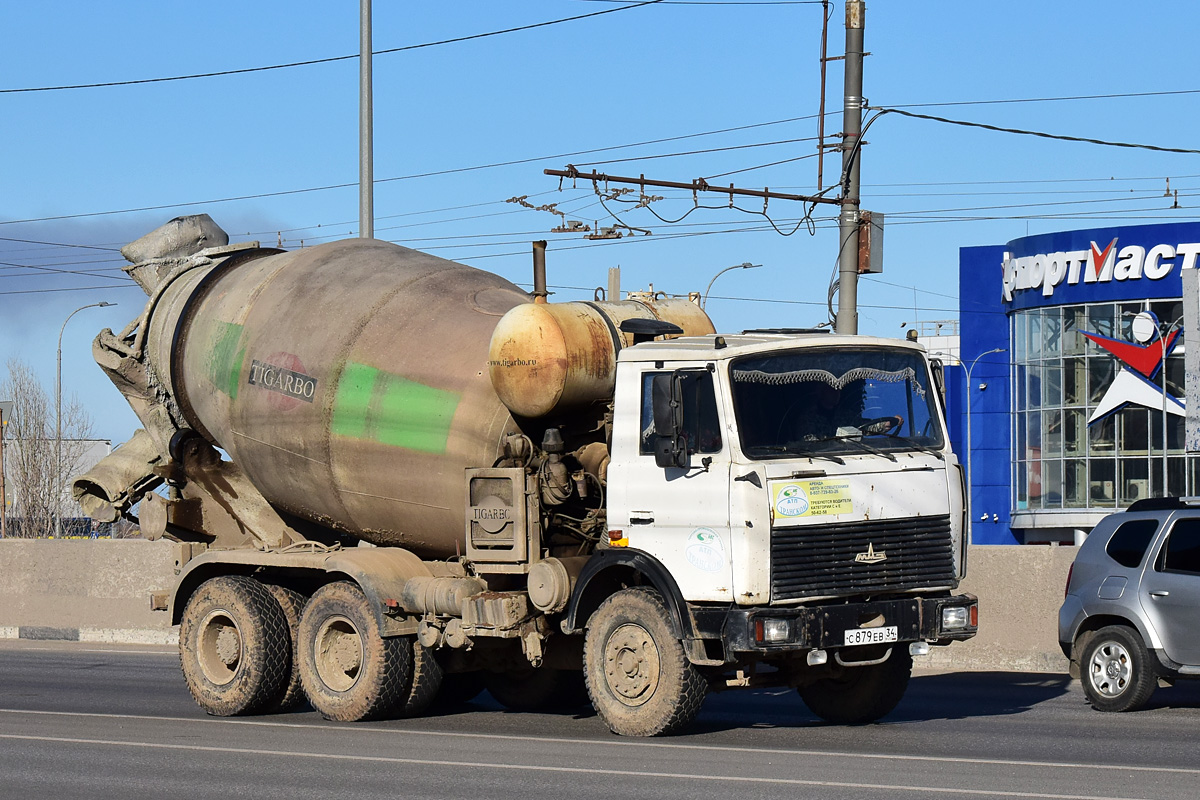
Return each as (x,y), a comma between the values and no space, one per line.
(656,72)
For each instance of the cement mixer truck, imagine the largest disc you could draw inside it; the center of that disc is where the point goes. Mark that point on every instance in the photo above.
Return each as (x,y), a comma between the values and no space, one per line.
(394,480)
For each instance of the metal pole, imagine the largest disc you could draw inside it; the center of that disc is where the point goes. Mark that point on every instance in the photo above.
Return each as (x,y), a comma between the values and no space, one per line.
(366,170)
(970,484)
(746,265)
(3,491)
(847,314)
(821,108)
(1162,341)
(58,420)
(1166,487)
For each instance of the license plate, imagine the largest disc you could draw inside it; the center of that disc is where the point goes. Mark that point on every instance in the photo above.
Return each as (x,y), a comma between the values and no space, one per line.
(872,635)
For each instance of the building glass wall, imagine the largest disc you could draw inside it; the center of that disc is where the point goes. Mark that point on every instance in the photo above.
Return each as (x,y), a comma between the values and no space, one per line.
(1059,377)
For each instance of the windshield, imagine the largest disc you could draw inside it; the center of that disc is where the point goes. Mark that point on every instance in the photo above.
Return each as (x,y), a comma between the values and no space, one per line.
(828,402)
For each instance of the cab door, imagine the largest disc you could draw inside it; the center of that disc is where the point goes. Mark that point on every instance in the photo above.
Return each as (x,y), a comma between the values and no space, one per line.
(679,515)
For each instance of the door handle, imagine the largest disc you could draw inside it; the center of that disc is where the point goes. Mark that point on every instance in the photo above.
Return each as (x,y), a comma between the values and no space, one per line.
(1160,594)
(641,520)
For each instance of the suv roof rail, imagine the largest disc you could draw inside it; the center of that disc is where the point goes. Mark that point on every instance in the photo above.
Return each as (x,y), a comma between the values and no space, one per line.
(1163,503)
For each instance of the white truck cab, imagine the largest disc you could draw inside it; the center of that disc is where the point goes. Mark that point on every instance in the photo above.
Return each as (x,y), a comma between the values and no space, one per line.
(803,497)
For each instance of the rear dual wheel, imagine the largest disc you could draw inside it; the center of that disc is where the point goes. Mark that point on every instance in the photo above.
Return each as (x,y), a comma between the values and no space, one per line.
(234,647)
(349,671)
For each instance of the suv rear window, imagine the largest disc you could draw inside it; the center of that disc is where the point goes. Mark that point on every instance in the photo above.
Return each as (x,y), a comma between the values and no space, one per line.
(1182,552)
(1128,544)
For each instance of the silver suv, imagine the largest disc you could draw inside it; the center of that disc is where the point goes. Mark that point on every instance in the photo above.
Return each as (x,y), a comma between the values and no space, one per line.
(1129,619)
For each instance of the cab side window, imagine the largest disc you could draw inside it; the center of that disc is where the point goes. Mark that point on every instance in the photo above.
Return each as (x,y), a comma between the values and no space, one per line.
(1181,553)
(701,421)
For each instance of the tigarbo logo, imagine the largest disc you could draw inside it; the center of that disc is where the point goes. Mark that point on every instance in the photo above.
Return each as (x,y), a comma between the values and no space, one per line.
(1098,264)
(871,557)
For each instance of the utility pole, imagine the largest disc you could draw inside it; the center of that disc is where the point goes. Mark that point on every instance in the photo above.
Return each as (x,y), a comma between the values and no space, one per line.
(847,314)
(366,170)
(3,490)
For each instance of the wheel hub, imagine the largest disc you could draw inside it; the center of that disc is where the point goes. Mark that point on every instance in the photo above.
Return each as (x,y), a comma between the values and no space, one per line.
(229,646)
(631,664)
(1111,669)
(219,647)
(339,653)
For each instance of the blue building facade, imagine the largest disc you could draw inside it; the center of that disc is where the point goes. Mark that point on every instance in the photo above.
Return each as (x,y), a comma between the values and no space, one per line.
(1068,414)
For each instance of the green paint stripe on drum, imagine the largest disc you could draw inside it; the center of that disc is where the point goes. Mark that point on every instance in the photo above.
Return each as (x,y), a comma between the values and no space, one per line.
(386,408)
(225,367)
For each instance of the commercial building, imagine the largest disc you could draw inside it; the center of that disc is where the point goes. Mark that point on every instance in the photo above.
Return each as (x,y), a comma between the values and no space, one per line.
(1068,417)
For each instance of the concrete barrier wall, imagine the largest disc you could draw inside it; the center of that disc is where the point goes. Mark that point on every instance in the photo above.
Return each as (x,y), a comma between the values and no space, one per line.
(99,591)
(93,590)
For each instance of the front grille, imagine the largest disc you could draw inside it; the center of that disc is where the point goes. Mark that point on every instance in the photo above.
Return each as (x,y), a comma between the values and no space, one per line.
(819,560)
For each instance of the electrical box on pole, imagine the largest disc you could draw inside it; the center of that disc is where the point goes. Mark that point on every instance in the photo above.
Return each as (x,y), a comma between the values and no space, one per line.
(870,243)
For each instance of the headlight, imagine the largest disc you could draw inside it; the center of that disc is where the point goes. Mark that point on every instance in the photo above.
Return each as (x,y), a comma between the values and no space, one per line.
(955,618)
(772,631)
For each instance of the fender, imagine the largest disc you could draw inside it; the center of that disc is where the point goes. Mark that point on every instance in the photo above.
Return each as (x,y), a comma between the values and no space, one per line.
(380,572)
(603,575)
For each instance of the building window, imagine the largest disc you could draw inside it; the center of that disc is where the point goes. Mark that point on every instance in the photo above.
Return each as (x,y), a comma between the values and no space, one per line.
(1059,379)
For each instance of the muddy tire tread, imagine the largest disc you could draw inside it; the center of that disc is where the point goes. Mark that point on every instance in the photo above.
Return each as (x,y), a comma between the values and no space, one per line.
(682,686)
(265,650)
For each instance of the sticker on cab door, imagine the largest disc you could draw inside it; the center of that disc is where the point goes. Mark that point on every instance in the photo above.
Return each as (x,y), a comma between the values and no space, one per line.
(704,551)
(816,498)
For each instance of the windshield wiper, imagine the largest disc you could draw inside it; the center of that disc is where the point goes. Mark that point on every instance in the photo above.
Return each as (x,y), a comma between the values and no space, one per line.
(923,448)
(869,448)
(797,451)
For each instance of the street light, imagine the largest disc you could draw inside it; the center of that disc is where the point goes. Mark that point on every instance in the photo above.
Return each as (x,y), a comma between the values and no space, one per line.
(58,419)
(746,265)
(970,475)
(1145,327)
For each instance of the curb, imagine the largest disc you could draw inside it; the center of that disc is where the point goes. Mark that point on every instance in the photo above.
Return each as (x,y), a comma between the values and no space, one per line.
(167,636)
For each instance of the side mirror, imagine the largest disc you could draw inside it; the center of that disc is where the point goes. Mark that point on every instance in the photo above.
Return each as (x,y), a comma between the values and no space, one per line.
(670,450)
(939,380)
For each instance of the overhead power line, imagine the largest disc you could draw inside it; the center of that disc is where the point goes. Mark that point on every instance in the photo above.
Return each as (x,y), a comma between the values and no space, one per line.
(1041,134)
(436,173)
(332,59)
(1118,96)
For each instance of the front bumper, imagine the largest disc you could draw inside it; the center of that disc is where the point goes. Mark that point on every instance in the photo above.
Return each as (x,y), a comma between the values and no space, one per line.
(821,627)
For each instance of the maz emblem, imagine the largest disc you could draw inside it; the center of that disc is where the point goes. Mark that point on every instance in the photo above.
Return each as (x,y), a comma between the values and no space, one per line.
(870,557)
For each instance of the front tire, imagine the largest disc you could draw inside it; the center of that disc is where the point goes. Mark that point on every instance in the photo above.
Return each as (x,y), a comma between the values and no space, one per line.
(860,695)
(1116,670)
(638,676)
(234,647)
(350,672)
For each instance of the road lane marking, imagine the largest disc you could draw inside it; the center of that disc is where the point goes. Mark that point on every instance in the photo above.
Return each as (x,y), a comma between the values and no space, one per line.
(613,742)
(458,765)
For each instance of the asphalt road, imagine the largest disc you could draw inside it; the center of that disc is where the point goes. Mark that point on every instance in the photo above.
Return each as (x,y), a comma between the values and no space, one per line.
(87,721)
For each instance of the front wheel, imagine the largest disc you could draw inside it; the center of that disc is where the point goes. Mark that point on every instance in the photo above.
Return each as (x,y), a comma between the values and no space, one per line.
(1115,670)
(860,695)
(349,671)
(638,676)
